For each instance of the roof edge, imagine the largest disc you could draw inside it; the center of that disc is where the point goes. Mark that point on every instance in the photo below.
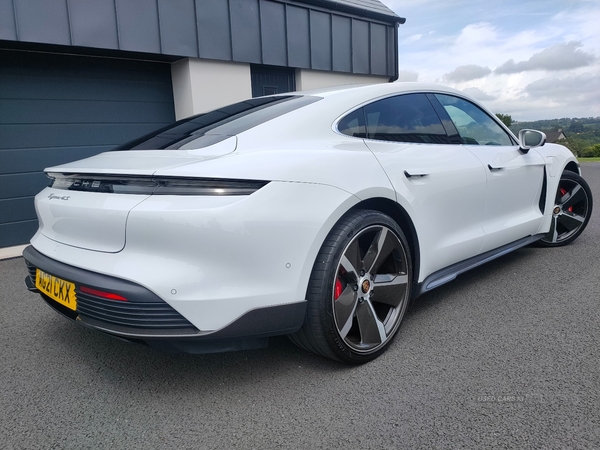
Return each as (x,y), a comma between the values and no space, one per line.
(338,6)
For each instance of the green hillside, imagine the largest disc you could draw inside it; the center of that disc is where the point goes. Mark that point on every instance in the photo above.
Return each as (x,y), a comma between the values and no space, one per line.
(583,134)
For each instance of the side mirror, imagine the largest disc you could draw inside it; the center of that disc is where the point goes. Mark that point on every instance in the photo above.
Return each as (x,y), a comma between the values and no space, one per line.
(530,139)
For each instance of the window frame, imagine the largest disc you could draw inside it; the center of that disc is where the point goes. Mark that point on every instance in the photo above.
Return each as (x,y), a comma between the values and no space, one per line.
(362,106)
(443,111)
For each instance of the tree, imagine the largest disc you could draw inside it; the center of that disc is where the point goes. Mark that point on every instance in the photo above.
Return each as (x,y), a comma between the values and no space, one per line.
(593,151)
(576,127)
(576,144)
(505,118)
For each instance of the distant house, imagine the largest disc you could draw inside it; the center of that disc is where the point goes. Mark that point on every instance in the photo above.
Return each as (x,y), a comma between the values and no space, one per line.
(555,136)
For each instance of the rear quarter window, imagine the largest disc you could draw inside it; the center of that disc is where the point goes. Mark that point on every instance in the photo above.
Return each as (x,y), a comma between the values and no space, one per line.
(402,118)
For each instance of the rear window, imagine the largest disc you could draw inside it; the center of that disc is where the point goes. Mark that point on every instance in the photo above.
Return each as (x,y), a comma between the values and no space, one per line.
(209,128)
(402,118)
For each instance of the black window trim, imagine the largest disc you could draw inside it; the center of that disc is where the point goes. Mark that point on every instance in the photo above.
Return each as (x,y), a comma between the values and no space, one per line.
(483,110)
(385,97)
(451,132)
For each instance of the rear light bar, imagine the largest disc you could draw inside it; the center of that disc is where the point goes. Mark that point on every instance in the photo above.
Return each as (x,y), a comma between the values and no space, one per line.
(153,185)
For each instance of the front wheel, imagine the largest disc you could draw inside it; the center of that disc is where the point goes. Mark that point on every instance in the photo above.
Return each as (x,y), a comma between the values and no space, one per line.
(358,290)
(572,210)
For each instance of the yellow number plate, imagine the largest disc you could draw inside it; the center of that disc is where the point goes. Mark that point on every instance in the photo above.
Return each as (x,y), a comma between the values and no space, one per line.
(57,289)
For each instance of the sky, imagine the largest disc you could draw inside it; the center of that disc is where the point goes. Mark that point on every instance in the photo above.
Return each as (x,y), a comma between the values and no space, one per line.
(532,59)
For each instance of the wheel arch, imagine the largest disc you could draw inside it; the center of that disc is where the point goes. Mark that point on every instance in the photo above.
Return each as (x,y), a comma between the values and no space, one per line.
(573,167)
(402,218)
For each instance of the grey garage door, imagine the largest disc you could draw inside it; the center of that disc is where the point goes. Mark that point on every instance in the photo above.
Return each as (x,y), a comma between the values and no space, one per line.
(58,108)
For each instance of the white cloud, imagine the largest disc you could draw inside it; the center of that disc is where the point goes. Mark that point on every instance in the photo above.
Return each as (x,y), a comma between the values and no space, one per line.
(580,89)
(478,94)
(554,47)
(412,38)
(557,57)
(467,73)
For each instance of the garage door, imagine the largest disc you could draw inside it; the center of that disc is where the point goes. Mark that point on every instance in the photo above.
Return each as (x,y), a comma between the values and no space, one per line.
(59,108)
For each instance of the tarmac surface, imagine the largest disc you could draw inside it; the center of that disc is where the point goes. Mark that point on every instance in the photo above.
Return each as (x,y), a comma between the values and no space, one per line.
(505,356)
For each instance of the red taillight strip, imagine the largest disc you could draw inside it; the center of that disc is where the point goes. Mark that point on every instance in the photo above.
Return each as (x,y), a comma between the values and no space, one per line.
(97,293)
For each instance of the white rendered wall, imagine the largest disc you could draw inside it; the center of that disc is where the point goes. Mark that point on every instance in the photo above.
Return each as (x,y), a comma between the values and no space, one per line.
(201,85)
(316,79)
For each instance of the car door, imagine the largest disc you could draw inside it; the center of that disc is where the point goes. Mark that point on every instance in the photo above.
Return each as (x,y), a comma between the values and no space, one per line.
(441,185)
(514,178)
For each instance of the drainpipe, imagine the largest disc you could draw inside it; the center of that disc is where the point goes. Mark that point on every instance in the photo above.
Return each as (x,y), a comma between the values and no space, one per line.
(401,21)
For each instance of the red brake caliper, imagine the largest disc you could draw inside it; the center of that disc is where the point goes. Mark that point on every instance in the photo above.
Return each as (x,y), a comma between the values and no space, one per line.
(338,289)
(563,191)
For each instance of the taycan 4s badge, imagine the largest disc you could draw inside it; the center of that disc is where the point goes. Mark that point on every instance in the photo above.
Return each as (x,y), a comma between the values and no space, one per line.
(58,197)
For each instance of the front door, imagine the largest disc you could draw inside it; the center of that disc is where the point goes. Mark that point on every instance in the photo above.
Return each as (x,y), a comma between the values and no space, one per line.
(514,178)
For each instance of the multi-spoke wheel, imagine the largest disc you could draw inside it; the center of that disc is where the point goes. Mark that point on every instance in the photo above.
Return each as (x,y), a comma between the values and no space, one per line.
(571,212)
(359,289)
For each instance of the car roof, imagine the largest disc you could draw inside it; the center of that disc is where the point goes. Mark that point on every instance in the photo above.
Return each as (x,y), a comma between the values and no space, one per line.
(375,90)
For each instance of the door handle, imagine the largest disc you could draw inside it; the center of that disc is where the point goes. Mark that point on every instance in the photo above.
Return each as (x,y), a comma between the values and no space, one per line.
(419,175)
(495,169)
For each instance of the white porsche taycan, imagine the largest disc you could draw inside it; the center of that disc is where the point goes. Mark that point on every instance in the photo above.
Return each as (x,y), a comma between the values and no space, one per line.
(319,215)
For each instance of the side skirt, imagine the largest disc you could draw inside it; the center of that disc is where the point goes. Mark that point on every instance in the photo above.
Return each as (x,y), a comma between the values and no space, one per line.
(451,272)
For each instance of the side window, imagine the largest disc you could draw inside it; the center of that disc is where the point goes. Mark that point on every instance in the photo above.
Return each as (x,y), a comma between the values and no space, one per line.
(474,125)
(404,118)
(353,124)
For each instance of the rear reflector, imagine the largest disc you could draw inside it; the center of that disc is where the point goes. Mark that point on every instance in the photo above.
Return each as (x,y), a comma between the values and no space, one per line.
(102,294)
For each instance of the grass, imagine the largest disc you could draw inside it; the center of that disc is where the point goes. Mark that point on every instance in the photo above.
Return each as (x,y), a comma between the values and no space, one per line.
(584,160)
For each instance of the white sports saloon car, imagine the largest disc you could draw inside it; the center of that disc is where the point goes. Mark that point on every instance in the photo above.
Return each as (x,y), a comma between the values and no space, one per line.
(319,215)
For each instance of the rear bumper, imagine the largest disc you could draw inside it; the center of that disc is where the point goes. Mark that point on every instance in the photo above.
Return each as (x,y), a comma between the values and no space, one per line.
(146,318)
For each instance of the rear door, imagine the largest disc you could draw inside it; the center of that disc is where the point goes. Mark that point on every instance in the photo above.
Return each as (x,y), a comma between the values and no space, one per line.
(514,178)
(439,182)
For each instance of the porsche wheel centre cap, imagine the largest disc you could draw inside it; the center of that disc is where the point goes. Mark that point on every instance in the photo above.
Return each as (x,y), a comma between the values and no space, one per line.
(556,210)
(366,285)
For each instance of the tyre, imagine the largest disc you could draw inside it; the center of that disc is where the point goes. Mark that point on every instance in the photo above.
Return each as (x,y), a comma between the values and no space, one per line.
(572,211)
(359,289)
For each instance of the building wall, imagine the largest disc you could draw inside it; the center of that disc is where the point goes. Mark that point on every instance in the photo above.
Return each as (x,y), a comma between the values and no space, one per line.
(203,85)
(316,79)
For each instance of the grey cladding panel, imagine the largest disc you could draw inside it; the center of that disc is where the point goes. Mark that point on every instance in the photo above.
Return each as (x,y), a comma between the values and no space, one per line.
(8,30)
(32,111)
(213,29)
(17,209)
(69,134)
(37,159)
(298,37)
(72,69)
(30,86)
(22,185)
(360,46)
(274,42)
(392,51)
(138,25)
(281,33)
(178,27)
(17,233)
(378,49)
(43,21)
(245,30)
(342,44)
(94,23)
(320,33)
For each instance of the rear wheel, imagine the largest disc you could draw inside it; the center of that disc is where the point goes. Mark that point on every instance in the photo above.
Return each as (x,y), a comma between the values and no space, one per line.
(571,212)
(359,289)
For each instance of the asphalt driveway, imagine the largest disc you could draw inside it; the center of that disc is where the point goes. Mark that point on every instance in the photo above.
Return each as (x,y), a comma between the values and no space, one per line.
(505,356)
